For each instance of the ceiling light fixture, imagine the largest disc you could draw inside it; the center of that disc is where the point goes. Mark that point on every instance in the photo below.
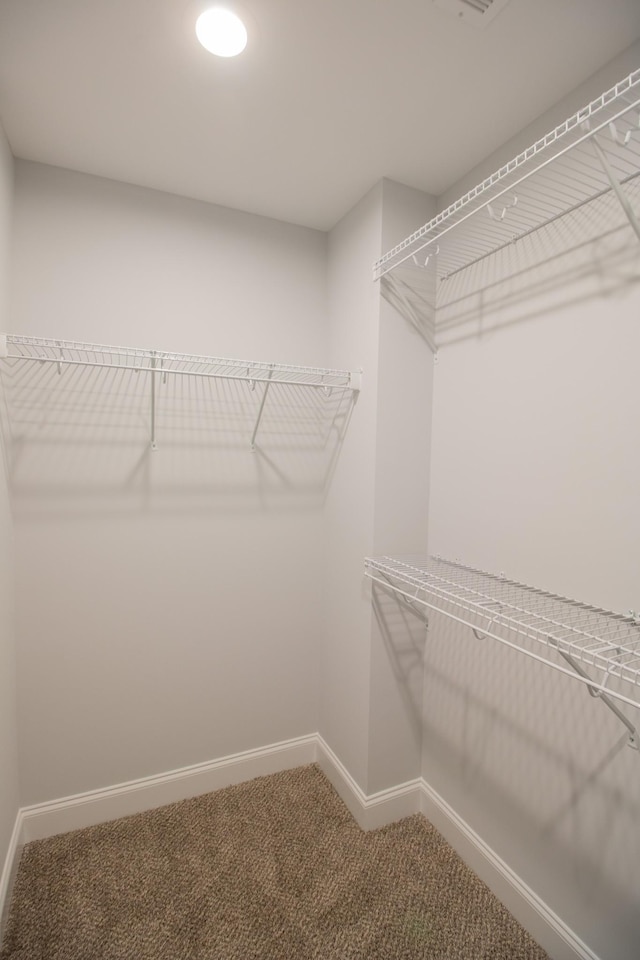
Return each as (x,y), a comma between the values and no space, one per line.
(221,32)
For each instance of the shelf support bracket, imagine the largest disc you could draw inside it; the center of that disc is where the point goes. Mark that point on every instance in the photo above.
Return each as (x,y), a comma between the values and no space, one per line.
(616,187)
(408,601)
(422,320)
(262,403)
(633,740)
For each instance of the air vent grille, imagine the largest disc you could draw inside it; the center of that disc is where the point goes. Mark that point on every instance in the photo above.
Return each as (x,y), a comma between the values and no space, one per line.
(477,12)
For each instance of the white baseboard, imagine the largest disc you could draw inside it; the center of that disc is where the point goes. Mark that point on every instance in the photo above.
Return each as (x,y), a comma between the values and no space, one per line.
(9,871)
(545,926)
(374,810)
(97,806)
(370,812)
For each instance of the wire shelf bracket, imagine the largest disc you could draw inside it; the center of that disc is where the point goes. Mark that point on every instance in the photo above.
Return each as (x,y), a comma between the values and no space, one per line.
(156,363)
(527,620)
(260,410)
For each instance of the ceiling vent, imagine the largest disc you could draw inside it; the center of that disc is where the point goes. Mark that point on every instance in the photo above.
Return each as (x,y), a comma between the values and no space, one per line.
(476,12)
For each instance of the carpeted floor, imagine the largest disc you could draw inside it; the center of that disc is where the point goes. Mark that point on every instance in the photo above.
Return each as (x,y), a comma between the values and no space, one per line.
(272,868)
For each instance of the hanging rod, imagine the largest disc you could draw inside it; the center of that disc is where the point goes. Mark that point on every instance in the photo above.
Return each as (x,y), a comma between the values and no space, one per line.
(511,612)
(591,154)
(70,353)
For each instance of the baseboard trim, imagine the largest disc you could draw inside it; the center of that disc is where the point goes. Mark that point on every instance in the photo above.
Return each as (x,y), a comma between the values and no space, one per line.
(374,810)
(98,806)
(370,812)
(9,871)
(550,931)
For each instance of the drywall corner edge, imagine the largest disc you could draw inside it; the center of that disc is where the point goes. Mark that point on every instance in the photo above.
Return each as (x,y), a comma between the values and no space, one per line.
(375,810)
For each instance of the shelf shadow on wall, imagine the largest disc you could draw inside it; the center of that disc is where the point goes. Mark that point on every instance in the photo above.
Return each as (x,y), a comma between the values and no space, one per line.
(545,765)
(602,269)
(81,439)
(546,762)
(590,252)
(403,633)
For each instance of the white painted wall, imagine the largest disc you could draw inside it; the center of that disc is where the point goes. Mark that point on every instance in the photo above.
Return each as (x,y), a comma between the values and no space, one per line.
(401,505)
(9,794)
(168,602)
(183,587)
(535,470)
(353,310)
(605,78)
(371,681)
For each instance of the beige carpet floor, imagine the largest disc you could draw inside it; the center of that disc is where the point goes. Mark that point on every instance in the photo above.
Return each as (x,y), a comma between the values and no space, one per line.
(272,868)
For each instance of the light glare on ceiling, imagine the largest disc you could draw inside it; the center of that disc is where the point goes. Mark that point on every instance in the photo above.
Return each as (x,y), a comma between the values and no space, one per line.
(221,32)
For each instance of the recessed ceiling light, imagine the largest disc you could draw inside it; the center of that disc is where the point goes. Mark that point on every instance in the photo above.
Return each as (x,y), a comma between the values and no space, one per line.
(221,32)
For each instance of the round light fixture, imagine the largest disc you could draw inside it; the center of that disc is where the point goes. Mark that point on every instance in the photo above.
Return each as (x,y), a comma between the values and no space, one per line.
(221,32)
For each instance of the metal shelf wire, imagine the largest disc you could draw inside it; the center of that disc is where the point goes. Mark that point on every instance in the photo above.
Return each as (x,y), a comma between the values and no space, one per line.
(46,350)
(523,617)
(160,364)
(593,155)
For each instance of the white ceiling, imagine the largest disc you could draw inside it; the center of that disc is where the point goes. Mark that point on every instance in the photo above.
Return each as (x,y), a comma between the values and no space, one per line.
(328,97)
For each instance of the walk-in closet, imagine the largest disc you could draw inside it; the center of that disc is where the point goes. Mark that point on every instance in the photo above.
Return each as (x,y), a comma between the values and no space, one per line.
(319,500)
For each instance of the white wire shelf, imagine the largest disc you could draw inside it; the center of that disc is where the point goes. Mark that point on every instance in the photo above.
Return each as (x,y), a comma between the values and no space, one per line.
(70,352)
(527,619)
(158,364)
(592,155)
